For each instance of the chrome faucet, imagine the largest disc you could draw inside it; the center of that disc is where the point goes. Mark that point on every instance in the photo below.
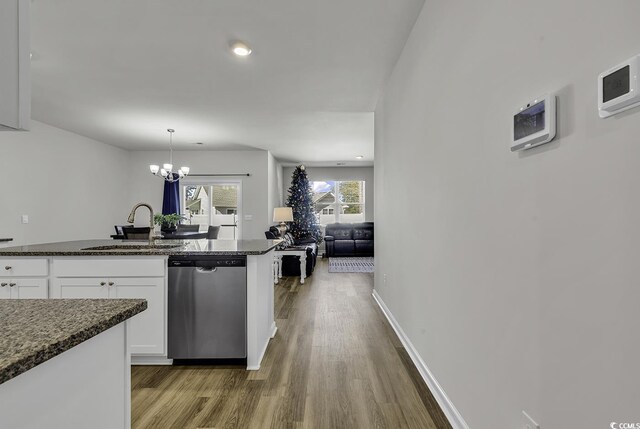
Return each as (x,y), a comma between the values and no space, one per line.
(132,218)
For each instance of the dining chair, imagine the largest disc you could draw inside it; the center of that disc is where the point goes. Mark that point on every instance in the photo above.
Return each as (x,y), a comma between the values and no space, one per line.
(188,228)
(119,229)
(212,233)
(135,232)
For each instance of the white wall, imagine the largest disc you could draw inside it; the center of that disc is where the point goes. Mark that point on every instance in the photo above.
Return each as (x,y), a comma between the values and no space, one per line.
(275,186)
(516,277)
(71,187)
(148,188)
(339,173)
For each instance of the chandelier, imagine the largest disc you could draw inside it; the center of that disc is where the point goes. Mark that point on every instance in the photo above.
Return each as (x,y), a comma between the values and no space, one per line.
(166,172)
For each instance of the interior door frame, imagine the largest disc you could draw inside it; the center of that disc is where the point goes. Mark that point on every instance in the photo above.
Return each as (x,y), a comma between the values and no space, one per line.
(212,182)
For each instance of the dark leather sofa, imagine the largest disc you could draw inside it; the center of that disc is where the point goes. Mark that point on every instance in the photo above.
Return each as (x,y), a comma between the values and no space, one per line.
(290,263)
(349,239)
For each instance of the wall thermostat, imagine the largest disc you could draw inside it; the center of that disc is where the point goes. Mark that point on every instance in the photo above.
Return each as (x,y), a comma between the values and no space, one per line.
(618,88)
(534,123)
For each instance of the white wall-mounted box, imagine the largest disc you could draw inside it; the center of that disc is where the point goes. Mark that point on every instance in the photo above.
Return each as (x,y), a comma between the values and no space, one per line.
(534,123)
(618,88)
(15,65)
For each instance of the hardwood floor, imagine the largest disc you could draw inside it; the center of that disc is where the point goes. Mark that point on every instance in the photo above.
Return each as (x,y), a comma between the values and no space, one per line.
(334,363)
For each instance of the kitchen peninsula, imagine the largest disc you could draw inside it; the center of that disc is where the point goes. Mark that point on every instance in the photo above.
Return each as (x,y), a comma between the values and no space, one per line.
(64,363)
(130,269)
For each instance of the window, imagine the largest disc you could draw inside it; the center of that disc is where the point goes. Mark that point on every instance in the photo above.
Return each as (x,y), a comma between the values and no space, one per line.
(339,201)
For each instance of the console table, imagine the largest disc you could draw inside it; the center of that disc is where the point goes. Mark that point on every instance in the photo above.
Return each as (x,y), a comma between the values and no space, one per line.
(299,252)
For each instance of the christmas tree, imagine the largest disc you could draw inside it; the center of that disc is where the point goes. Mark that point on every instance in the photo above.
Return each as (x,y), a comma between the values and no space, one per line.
(305,223)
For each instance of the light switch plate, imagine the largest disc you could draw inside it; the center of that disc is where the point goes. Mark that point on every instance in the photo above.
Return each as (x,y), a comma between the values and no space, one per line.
(25,218)
(248,217)
(528,422)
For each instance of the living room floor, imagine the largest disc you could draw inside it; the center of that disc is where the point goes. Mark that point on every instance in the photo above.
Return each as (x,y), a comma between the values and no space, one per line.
(334,363)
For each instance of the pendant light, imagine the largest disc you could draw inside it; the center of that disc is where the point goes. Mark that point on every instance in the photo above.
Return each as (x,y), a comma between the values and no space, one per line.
(166,172)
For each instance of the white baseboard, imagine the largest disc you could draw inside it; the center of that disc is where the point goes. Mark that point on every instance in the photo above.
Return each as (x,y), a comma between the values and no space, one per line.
(454,417)
(150,360)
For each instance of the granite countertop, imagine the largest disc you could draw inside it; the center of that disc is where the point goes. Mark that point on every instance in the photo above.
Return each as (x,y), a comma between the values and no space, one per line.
(106,247)
(36,330)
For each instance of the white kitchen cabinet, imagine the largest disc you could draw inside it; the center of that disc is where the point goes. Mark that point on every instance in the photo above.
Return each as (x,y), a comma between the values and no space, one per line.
(120,277)
(24,278)
(24,288)
(147,328)
(15,66)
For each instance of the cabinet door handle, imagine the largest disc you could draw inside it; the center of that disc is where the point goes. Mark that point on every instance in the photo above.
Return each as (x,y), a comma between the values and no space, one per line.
(111,283)
(102,283)
(8,267)
(3,284)
(12,284)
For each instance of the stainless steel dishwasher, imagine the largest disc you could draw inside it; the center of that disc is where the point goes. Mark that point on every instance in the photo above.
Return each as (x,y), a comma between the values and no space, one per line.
(207,307)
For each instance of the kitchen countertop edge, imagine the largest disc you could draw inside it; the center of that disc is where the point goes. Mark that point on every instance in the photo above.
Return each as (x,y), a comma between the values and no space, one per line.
(188,247)
(34,356)
(136,253)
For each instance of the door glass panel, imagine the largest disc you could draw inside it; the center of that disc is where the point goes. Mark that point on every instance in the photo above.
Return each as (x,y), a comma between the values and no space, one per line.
(196,206)
(224,209)
(213,204)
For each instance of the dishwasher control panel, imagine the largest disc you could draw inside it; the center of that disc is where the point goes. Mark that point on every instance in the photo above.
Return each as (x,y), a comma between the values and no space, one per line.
(207,261)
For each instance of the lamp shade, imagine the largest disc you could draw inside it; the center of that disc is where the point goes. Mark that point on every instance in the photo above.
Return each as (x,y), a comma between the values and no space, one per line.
(283,214)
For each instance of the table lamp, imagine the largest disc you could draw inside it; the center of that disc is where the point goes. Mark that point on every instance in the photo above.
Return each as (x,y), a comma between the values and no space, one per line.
(282,215)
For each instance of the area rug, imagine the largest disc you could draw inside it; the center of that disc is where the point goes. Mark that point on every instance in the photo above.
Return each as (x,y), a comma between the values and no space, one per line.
(351,265)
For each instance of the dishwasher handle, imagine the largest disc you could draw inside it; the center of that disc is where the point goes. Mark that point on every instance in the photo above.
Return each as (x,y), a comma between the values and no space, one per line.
(206,269)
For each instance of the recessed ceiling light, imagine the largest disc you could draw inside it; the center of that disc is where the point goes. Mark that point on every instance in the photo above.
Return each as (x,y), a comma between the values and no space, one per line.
(359,157)
(240,49)
(199,143)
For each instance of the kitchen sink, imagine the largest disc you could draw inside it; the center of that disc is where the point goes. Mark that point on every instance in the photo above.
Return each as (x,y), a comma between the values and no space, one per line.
(134,247)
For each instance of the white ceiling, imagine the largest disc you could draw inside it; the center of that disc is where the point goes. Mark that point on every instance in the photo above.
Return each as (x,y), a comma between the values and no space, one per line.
(123,71)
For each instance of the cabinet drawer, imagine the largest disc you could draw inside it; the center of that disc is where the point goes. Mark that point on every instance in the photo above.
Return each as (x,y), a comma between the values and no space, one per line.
(109,267)
(78,287)
(23,267)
